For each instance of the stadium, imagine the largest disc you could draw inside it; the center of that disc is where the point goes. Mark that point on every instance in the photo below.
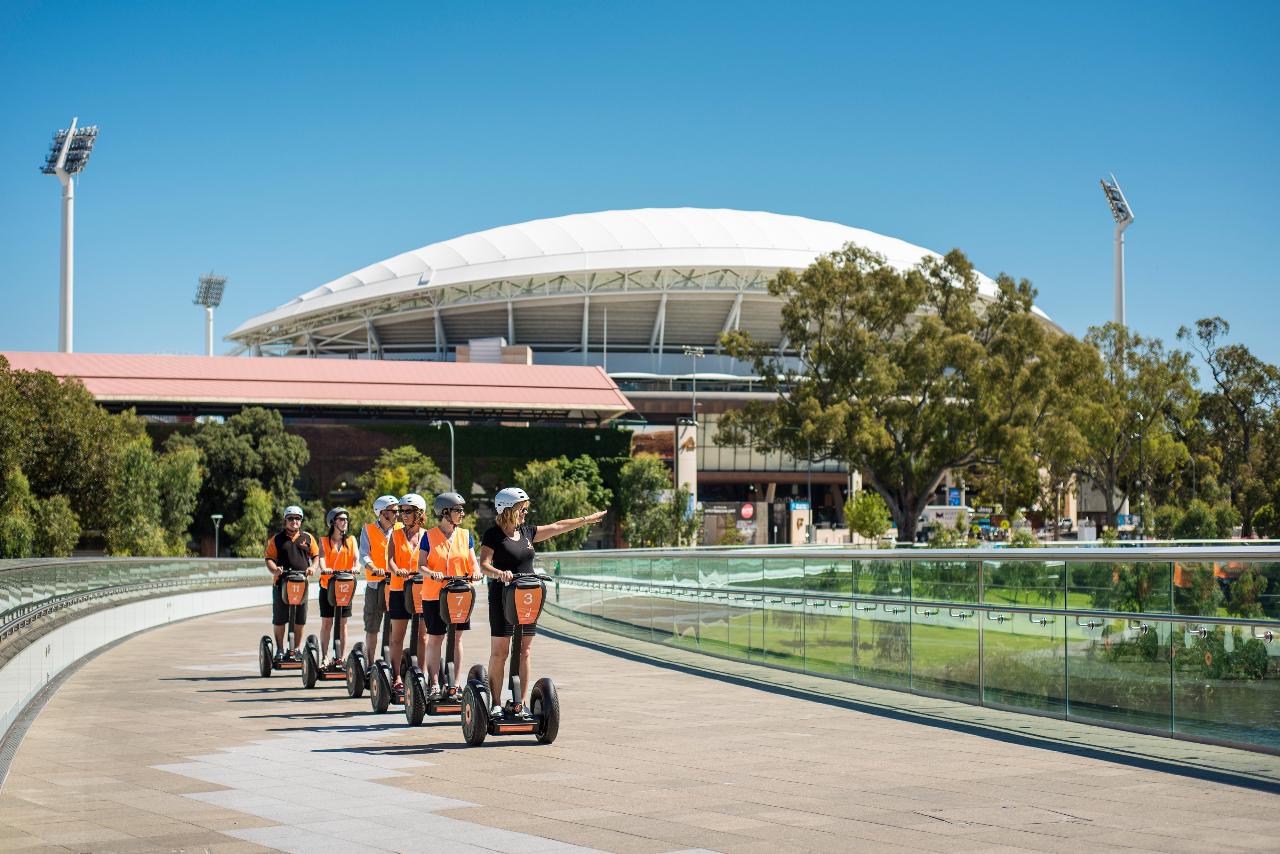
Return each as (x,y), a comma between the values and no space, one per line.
(644,294)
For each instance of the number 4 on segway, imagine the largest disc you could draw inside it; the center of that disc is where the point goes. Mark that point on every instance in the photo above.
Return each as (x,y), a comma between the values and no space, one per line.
(522,601)
(295,594)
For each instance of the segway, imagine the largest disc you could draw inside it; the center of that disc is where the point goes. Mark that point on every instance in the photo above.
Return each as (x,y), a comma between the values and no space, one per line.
(522,603)
(341,589)
(457,599)
(415,681)
(295,593)
(357,664)
(380,680)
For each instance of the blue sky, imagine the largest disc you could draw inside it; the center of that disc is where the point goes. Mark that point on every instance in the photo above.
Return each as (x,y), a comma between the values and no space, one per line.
(285,144)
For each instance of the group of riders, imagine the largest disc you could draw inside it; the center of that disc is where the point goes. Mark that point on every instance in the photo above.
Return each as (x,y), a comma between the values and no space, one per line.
(404,541)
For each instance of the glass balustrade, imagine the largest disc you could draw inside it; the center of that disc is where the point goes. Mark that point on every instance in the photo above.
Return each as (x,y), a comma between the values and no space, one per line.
(1178,641)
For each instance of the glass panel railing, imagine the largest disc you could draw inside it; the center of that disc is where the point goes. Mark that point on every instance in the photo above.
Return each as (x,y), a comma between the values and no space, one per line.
(1181,642)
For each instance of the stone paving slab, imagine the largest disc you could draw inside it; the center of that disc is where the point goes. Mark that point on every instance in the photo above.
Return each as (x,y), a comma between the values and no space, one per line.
(171,742)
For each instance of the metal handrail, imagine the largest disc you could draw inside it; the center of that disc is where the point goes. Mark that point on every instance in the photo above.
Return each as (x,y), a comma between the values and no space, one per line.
(1135,554)
(939,604)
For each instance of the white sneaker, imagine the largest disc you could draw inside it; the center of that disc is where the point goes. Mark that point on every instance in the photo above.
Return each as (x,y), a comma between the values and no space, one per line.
(495,712)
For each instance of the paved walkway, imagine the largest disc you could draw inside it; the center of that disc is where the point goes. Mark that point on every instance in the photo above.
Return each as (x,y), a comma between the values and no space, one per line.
(171,742)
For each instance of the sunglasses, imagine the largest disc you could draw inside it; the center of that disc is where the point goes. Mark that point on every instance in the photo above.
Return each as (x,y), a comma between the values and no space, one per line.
(293,518)
(461,510)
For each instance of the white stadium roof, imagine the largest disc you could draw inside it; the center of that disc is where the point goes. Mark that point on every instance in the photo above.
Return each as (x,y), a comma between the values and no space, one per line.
(650,238)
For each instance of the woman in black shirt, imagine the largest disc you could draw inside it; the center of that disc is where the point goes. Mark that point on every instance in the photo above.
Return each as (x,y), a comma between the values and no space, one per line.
(506,550)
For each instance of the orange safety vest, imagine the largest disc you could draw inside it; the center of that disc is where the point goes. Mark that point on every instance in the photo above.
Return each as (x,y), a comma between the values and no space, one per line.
(377,549)
(339,560)
(406,556)
(451,556)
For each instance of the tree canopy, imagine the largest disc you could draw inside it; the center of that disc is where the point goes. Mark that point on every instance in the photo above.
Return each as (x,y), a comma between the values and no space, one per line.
(902,375)
(562,488)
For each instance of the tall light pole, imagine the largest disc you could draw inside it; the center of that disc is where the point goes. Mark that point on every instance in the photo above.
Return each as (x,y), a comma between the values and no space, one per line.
(209,294)
(217,523)
(1123,215)
(442,423)
(68,155)
(694,353)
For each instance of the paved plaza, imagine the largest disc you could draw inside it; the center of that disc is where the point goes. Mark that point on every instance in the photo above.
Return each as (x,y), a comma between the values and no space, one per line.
(171,742)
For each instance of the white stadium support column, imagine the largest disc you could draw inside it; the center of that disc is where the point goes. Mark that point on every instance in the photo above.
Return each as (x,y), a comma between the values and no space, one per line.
(586,326)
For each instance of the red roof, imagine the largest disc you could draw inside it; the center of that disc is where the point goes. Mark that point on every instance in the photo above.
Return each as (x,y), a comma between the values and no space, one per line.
(271,381)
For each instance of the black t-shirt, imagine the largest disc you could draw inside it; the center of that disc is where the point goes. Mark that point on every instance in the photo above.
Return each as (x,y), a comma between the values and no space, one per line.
(511,555)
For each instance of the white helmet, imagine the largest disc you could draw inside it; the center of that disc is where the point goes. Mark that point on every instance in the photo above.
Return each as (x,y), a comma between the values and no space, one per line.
(382,502)
(508,498)
(293,510)
(415,501)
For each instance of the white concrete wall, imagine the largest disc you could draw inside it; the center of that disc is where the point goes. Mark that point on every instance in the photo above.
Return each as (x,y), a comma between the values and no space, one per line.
(49,654)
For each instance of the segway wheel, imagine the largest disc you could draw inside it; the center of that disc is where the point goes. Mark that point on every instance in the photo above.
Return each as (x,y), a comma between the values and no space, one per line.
(313,642)
(475,716)
(355,674)
(478,673)
(380,687)
(310,667)
(544,705)
(266,652)
(415,701)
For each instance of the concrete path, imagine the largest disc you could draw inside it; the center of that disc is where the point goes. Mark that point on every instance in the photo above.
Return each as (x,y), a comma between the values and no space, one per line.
(170,742)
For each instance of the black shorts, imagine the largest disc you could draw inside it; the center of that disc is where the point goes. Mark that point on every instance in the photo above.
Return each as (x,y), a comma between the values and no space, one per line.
(436,624)
(498,625)
(395,606)
(326,610)
(280,608)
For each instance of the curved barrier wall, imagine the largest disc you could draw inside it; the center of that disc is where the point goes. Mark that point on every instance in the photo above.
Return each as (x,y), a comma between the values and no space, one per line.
(1177,641)
(54,612)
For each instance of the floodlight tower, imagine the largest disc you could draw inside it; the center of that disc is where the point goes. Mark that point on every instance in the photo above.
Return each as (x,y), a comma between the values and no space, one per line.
(1123,215)
(209,295)
(68,155)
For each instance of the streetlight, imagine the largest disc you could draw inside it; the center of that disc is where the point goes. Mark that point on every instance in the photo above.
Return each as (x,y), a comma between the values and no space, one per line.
(694,353)
(442,423)
(209,294)
(68,155)
(1123,215)
(217,523)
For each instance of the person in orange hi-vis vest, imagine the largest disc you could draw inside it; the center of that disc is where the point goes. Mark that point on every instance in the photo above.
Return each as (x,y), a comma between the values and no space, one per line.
(338,553)
(289,550)
(402,561)
(373,558)
(448,553)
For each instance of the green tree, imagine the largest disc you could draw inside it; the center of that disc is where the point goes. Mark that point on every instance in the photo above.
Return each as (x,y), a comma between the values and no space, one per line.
(1167,519)
(178,482)
(131,523)
(1266,521)
(397,471)
(57,530)
(1197,523)
(904,376)
(248,533)
(17,530)
(248,448)
(1130,414)
(563,489)
(1237,412)
(867,514)
(652,514)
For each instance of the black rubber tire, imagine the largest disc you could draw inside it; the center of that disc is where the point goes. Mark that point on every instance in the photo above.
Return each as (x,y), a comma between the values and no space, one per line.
(380,687)
(313,642)
(310,667)
(475,716)
(356,674)
(544,704)
(415,696)
(266,652)
(479,673)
